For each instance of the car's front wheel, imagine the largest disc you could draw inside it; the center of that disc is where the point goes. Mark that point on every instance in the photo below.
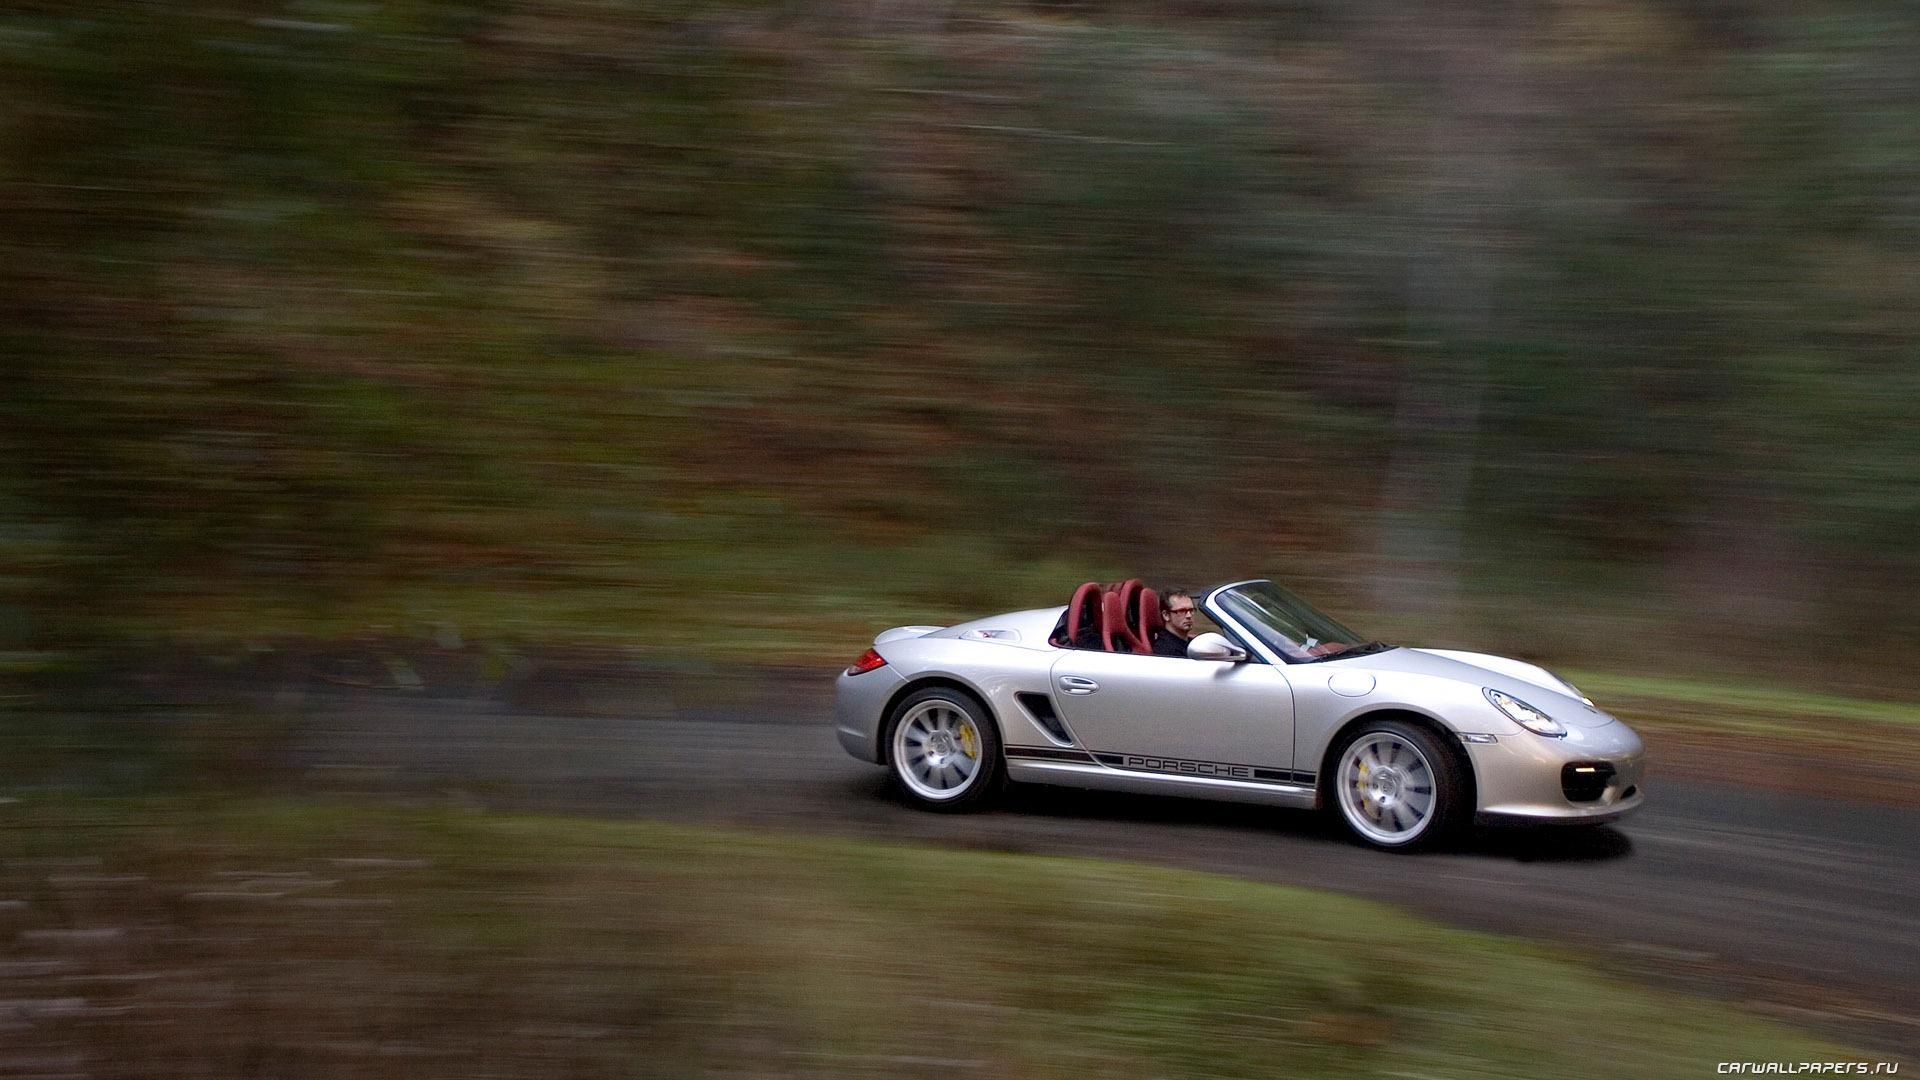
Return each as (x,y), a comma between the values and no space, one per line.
(943,749)
(1396,786)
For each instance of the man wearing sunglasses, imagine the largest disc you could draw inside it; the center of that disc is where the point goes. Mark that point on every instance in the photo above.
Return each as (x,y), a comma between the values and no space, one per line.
(1176,611)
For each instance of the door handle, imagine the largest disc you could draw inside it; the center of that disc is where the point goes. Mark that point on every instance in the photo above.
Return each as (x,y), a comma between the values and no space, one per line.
(1074,684)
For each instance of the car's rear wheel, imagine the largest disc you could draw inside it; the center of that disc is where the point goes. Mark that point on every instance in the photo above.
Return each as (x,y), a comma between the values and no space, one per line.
(1396,786)
(943,749)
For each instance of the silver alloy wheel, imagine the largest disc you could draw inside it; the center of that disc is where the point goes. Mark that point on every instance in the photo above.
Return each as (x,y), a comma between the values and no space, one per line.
(937,750)
(1387,789)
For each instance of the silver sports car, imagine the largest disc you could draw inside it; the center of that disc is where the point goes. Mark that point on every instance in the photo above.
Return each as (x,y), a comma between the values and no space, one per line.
(1283,706)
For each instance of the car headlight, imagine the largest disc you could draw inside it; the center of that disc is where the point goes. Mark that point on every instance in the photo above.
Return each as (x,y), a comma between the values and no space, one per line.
(1525,715)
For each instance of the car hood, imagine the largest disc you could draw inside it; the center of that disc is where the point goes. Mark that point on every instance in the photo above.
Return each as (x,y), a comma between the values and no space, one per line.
(1529,682)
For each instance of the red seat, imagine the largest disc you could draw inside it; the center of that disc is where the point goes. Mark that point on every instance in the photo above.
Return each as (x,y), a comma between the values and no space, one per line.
(1130,628)
(1085,618)
(1147,618)
(1119,617)
(1113,623)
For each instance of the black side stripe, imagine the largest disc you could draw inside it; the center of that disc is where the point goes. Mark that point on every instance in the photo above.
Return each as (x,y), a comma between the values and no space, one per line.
(1157,764)
(1048,753)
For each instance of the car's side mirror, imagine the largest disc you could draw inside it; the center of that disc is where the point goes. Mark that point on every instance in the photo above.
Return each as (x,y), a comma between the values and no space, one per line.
(1215,647)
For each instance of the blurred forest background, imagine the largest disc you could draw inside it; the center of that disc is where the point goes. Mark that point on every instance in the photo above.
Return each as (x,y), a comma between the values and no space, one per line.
(1585,329)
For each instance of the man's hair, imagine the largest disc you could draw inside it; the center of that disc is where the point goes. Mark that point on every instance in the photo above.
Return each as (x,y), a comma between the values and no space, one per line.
(1166,599)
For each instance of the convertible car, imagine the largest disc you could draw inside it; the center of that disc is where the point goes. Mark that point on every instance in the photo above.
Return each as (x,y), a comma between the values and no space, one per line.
(1284,706)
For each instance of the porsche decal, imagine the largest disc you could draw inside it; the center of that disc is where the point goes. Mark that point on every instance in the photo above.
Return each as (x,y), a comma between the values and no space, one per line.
(1149,763)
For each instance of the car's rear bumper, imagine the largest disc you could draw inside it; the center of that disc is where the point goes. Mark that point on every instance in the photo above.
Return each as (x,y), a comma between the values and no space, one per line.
(859,702)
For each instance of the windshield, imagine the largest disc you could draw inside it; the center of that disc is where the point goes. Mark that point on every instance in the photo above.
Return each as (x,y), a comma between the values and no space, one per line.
(1288,625)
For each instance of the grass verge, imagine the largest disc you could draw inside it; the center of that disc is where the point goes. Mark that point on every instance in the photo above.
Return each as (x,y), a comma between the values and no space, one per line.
(1770,736)
(1760,708)
(229,937)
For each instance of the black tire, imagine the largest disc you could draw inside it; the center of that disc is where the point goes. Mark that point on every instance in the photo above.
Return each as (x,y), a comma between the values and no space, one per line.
(943,750)
(1395,785)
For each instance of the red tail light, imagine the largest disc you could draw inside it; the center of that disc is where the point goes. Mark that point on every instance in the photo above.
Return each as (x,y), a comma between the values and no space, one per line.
(867,662)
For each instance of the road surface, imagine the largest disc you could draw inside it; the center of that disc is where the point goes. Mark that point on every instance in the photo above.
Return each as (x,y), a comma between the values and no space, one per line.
(1805,908)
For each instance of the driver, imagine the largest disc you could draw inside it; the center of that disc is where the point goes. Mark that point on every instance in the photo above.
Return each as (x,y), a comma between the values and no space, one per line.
(1176,612)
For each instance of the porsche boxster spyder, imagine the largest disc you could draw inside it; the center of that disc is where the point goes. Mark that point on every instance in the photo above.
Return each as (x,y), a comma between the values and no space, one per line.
(1281,706)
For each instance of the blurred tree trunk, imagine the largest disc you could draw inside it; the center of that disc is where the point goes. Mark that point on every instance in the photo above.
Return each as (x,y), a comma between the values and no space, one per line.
(1456,224)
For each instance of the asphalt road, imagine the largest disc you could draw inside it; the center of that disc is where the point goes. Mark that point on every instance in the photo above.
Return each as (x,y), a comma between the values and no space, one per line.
(1805,908)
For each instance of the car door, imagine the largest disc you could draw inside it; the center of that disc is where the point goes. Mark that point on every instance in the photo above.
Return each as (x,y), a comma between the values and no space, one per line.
(1175,715)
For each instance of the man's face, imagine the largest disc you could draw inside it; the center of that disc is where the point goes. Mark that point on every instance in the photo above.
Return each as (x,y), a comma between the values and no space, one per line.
(1180,616)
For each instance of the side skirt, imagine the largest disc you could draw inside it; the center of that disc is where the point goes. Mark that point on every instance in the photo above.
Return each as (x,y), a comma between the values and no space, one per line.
(1160,776)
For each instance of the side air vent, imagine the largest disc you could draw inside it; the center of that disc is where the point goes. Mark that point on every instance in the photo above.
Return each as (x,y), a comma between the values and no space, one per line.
(1040,707)
(1585,781)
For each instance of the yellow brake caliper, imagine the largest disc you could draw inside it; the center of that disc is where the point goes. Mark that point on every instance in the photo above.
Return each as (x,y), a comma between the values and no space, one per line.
(1360,787)
(966,742)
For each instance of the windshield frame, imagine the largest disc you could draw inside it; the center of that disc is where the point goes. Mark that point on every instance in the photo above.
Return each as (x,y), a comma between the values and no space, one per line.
(1257,612)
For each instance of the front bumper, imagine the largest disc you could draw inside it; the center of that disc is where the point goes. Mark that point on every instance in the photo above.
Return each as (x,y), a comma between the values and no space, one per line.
(1528,779)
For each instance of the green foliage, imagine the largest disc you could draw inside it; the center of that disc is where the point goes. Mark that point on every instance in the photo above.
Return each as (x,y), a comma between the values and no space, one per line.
(320,317)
